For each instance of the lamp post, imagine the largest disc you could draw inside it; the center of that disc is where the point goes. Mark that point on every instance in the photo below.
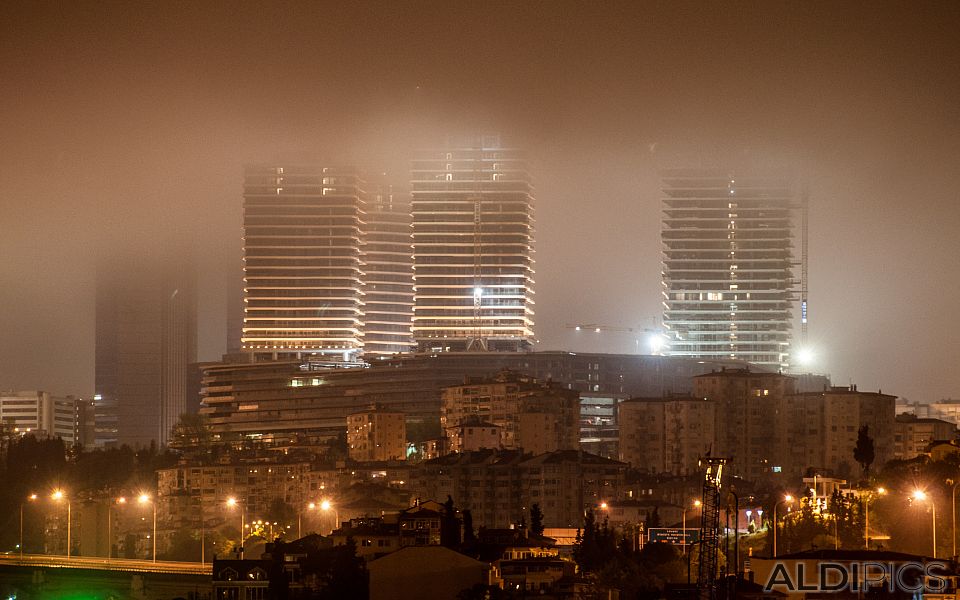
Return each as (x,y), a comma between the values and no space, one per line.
(233,503)
(120,500)
(696,504)
(144,499)
(953,520)
(30,498)
(921,495)
(326,506)
(788,499)
(866,516)
(58,495)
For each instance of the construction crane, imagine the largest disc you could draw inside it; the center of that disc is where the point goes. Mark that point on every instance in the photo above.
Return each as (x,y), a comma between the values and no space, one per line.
(707,584)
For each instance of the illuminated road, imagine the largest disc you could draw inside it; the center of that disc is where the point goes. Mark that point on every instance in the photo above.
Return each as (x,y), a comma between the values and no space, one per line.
(103,564)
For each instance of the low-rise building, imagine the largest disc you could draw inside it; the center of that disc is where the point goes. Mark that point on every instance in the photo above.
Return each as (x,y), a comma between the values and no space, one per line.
(377,435)
(913,435)
(473,434)
(533,416)
(499,487)
(666,435)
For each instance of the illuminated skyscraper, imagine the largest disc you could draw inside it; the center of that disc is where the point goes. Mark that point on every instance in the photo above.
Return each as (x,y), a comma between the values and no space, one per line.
(473,244)
(302,262)
(388,275)
(728,286)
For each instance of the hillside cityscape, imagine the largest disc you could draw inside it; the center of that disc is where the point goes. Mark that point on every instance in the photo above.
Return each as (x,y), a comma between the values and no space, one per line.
(387,419)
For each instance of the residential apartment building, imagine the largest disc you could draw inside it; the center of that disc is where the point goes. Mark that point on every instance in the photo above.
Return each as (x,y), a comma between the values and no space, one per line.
(819,430)
(667,435)
(376,435)
(473,248)
(533,416)
(913,435)
(498,487)
(769,433)
(727,264)
(746,408)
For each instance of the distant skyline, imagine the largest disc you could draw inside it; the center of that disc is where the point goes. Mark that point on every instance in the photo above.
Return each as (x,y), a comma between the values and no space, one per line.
(125,122)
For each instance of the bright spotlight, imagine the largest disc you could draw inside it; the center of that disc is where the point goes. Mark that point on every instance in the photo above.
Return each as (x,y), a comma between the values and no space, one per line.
(656,343)
(805,356)
(919,495)
(325,505)
(477,292)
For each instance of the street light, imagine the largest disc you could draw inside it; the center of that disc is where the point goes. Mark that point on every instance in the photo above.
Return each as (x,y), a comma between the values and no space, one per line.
(953,517)
(144,499)
(30,498)
(326,506)
(120,500)
(920,495)
(786,499)
(866,516)
(234,503)
(58,495)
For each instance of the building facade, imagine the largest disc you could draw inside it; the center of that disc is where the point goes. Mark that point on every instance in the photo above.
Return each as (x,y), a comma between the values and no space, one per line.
(499,487)
(302,229)
(146,338)
(532,416)
(819,430)
(914,435)
(41,414)
(747,405)
(279,402)
(666,435)
(473,248)
(388,275)
(376,435)
(728,285)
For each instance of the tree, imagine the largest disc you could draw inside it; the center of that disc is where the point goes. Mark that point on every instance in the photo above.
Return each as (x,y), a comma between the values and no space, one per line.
(536,520)
(863,452)
(653,519)
(469,537)
(449,525)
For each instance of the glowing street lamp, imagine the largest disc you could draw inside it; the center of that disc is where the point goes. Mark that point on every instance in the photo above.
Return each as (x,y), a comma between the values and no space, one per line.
(30,498)
(57,496)
(921,496)
(788,499)
(145,499)
(866,515)
(234,503)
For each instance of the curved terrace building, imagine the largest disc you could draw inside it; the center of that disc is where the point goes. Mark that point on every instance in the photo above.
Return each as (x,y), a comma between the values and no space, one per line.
(473,244)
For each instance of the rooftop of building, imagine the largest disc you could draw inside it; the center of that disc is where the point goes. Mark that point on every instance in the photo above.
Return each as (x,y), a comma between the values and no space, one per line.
(912,418)
(844,390)
(745,371)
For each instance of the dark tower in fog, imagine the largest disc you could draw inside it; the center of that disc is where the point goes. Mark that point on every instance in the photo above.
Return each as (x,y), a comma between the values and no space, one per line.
(728,285)
(473,248)
(146,337)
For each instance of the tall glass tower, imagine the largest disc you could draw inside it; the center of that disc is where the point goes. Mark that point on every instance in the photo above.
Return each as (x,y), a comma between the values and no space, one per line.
(728,285)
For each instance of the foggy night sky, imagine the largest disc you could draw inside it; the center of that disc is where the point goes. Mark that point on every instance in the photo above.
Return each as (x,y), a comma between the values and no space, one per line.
(126,123)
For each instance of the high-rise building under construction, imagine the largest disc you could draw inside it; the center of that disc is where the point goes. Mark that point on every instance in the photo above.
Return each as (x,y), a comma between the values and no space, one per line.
(473,244)
(728,285)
